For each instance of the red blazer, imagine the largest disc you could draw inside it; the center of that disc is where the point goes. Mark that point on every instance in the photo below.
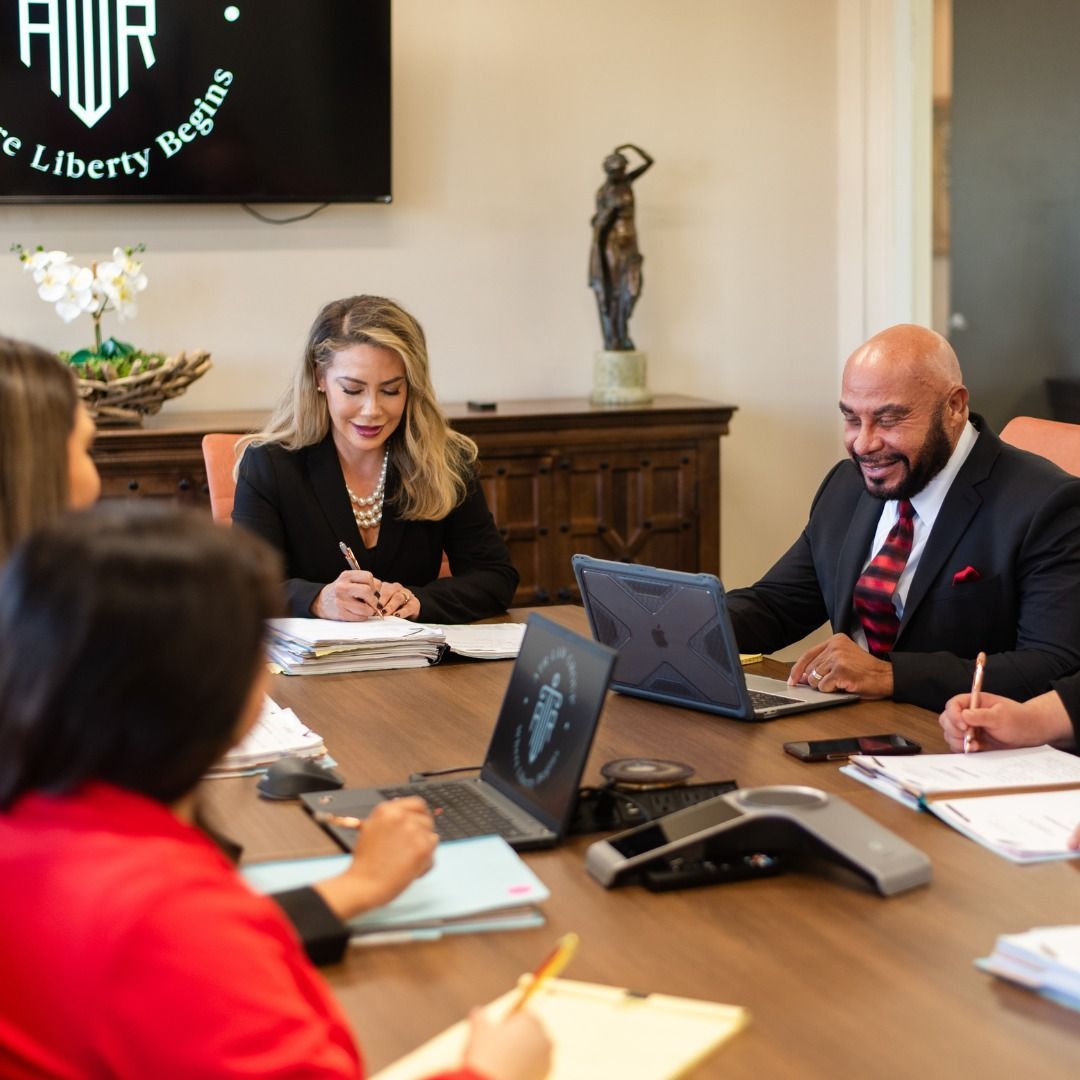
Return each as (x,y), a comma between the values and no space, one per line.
(130,948)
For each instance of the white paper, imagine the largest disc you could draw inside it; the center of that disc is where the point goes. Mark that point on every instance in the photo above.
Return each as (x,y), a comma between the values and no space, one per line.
(1031,766)
(483,641)
(1023,827)
(277,733)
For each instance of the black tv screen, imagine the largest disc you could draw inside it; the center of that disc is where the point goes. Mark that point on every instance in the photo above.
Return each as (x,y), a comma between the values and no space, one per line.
(195,100)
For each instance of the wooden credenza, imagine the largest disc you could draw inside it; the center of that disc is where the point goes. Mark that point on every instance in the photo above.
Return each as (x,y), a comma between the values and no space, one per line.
(639,483)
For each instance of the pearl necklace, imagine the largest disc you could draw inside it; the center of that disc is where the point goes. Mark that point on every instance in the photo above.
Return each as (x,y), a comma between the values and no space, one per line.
(368,511)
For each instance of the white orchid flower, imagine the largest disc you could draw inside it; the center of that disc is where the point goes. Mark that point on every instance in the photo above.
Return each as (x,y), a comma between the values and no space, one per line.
(68,308)
(54,279)
(39,261)
(111,285)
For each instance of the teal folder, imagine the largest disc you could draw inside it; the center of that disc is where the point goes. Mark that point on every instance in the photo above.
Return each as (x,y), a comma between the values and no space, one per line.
(476,884)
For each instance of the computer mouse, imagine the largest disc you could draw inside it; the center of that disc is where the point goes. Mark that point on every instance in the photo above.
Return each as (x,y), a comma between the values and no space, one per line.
(292,776)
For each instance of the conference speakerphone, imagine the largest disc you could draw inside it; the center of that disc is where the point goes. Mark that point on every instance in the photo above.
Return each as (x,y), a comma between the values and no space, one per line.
(754,824)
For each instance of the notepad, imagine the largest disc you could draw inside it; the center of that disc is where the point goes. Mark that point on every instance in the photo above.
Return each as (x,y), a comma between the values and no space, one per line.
(483,641)
(940,776)
(598,1031)
(1045,959)
(1021,804)
(475,885)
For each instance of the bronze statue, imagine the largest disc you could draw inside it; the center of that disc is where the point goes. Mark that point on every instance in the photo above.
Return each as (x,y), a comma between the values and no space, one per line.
(614,261)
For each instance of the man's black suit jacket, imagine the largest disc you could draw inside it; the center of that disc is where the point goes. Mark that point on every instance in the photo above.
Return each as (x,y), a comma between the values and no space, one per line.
(1011,517)
(296,500)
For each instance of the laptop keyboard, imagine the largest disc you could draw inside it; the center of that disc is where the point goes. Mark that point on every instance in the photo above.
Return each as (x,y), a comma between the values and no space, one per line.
(459,811)
(761,700)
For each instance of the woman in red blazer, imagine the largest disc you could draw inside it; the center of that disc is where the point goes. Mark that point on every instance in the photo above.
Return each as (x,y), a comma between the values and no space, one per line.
(130,659)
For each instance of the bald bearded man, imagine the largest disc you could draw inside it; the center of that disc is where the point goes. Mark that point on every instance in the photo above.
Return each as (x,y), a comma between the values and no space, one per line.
(935,541)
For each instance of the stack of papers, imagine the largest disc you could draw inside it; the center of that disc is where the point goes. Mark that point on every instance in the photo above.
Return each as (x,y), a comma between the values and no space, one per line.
(277,733)
(483,641)
(1022,804)
(476,884)
(597,1031)
(324,646)
(1046,960)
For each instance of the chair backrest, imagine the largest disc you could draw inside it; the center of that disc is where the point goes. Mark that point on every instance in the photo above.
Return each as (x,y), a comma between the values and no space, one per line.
(219,453)
(1051,439)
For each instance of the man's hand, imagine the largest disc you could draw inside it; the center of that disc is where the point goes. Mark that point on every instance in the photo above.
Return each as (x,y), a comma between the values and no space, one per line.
(839,664)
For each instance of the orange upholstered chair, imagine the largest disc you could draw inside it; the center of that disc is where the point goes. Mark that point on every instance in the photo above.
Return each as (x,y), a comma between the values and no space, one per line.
(219,454)
(1051,439)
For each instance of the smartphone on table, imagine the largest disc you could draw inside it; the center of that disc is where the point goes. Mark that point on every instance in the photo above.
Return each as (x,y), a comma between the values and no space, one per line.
(842,749)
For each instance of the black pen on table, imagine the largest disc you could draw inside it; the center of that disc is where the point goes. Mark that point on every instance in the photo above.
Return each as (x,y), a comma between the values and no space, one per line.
(976,690)
(350,558)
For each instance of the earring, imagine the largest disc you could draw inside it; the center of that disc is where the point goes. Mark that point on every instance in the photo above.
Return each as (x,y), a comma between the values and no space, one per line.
(320,389)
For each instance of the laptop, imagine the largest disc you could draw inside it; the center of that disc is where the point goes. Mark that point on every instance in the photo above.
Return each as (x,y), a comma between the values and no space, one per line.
(527,788)
(676,645)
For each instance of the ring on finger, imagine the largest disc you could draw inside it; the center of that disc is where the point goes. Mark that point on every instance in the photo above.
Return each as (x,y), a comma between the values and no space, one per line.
(814,675)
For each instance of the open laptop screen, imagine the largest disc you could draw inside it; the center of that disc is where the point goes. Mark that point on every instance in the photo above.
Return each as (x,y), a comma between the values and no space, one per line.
(547,720)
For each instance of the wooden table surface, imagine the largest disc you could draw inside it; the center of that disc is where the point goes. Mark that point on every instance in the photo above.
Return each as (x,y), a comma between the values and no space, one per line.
(839,981)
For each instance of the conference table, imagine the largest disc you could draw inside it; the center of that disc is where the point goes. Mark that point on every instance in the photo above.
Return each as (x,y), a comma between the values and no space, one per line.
(839,981)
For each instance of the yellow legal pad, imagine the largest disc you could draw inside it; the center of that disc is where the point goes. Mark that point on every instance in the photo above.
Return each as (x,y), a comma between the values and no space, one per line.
(598,1031)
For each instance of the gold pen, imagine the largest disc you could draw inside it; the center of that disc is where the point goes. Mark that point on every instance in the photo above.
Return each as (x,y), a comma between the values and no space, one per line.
(976,690)
(350,558)
(343,821)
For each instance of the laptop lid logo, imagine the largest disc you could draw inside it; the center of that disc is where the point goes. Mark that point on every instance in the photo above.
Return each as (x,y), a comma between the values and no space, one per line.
(534,758)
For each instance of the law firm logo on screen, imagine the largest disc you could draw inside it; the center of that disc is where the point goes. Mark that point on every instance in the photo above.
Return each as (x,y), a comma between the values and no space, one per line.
(83,36)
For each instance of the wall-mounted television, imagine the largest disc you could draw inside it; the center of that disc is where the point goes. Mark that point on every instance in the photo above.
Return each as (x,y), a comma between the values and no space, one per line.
(194,101)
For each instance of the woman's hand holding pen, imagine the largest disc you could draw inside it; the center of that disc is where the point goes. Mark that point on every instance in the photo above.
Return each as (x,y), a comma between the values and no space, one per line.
(354,595)
(398,600)
(395,846)
(1000,722)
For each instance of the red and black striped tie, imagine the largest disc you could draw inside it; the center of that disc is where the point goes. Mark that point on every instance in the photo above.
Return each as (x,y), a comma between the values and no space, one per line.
(874,590)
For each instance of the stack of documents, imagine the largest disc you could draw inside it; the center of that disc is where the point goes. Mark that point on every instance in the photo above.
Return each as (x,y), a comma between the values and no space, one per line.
(323,646)
(277,733)
(1022,804)
(1046,960)
(597,1031)
(476,884)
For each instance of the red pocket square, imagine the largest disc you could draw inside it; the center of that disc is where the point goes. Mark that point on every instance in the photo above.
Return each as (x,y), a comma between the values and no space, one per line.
(969,573)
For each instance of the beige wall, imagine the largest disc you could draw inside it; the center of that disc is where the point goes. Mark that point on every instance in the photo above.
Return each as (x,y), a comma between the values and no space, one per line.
(503,110)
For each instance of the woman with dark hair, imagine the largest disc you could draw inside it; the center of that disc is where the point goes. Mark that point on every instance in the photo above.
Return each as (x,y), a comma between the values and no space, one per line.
(45,439)
(130,659)
(359,452)
(45,467)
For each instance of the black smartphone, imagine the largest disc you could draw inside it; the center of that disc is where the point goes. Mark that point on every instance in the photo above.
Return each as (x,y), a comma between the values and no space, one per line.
(841,749)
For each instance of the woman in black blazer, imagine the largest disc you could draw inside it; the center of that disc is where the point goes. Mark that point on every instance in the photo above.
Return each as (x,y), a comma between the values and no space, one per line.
(359,453)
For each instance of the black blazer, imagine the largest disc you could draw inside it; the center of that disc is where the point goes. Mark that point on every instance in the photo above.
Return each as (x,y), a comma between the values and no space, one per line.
(1011,516)
(296,500)
(1069,692)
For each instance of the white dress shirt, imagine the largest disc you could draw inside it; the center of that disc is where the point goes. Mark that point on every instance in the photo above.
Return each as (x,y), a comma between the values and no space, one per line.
(927,505)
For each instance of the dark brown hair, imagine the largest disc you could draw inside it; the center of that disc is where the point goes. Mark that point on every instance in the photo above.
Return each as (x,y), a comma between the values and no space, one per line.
(37,416)
(129,641)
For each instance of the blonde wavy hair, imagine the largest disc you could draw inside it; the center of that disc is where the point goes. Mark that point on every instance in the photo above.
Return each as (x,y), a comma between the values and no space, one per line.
(433,461)
(37,416)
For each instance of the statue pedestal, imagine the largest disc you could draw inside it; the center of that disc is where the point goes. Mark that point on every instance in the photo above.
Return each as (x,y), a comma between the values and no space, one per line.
(619,378)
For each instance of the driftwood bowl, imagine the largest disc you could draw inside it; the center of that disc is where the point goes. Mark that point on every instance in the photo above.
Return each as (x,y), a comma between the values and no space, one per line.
(127,399)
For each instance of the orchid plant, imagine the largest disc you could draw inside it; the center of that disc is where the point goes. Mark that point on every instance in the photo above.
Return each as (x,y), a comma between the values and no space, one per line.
(110,285)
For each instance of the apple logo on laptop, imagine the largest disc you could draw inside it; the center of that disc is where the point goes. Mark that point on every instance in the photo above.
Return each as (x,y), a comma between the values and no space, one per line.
(659,636)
